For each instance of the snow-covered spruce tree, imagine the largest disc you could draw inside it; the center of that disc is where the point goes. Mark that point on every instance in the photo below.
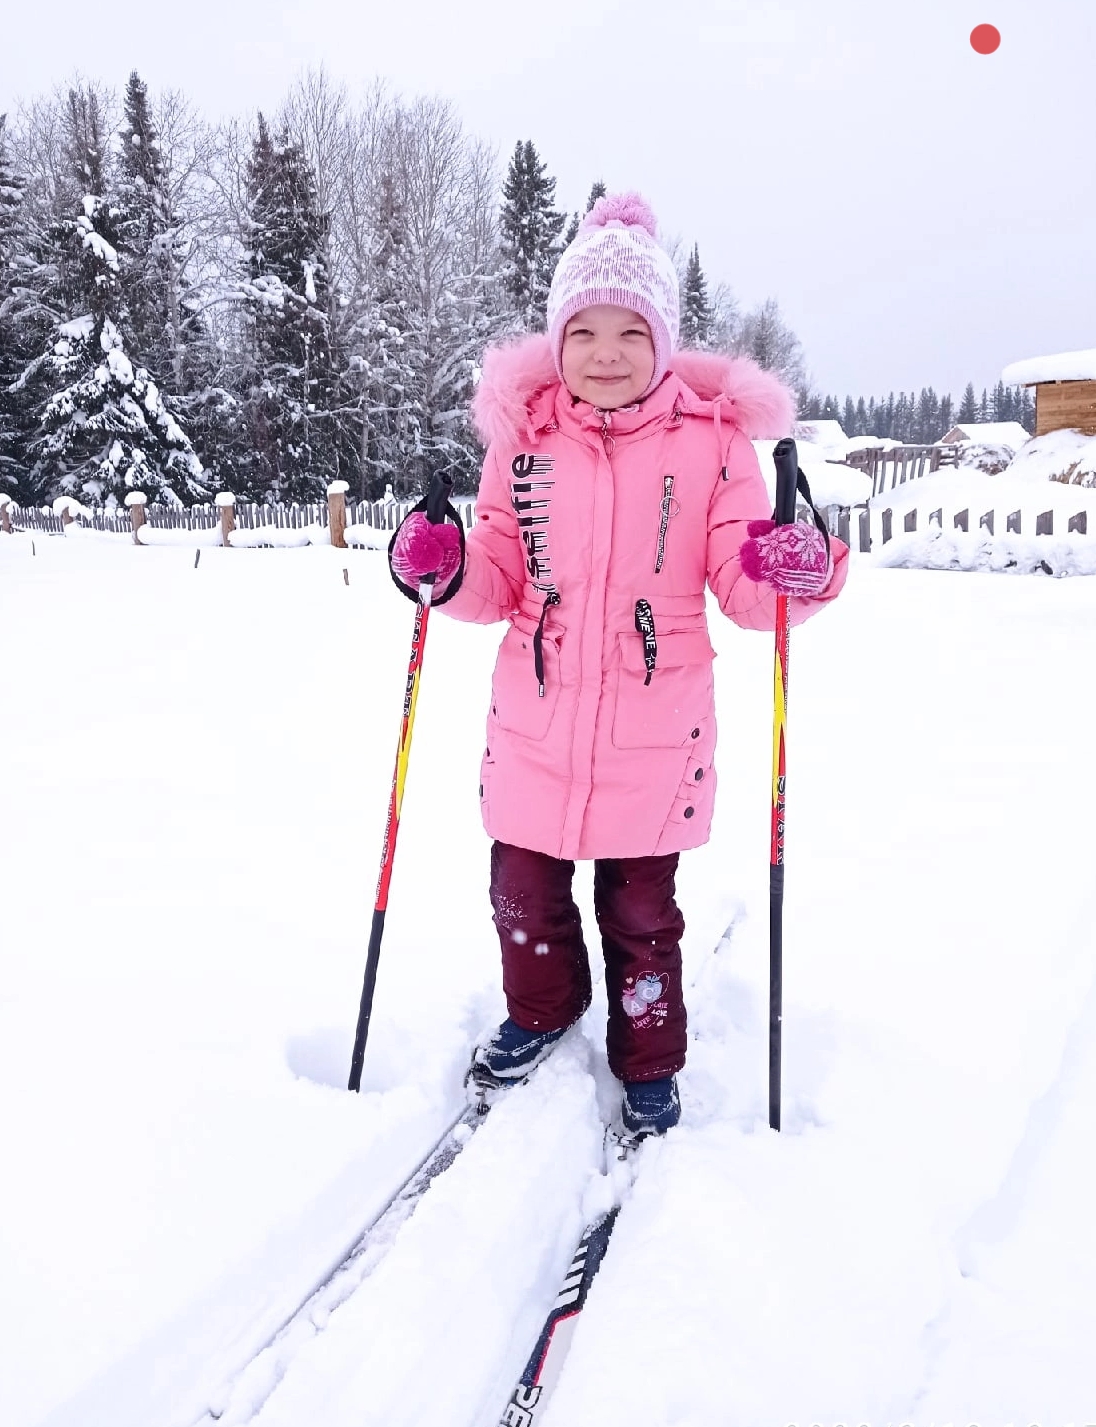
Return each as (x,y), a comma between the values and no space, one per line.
(287,452)
(12,187)
(902,416)
(530,229)
(928,426)
(968,407)
(696,310)
(103,426)
(12,432)
(1007,403)
(152,250)
(597,191)
(106,429)
(57,144)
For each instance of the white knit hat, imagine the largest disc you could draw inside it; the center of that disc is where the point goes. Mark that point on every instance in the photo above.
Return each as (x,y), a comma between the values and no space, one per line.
(615,259)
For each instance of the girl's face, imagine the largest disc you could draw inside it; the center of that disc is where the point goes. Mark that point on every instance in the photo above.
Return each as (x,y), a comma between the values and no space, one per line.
(608,356)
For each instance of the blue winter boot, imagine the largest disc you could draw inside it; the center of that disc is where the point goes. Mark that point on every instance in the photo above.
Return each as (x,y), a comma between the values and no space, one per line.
(650,1107)
(511,1053)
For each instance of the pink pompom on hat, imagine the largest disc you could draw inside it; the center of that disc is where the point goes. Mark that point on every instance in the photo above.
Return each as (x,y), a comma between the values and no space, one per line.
(615,259)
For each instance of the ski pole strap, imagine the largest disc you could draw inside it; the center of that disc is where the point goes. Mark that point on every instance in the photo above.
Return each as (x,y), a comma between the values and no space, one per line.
(437,509)
(804,490)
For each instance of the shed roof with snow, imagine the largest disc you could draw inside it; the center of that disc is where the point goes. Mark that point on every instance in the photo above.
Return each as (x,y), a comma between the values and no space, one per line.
(1065,390)
(820,433)
(1062,367)
(990,433)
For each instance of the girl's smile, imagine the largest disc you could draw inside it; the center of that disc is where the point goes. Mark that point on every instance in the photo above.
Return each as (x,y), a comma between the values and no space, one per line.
(608,356)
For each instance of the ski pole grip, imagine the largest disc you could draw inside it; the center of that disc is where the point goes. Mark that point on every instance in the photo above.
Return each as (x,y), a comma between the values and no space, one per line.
(437,498)
(786,460)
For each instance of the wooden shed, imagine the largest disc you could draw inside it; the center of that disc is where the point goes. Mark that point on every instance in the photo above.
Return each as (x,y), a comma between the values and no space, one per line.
(1065,390)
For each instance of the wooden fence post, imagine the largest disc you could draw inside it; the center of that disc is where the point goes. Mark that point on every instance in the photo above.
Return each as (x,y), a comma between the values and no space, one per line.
(986,521)
(136,500)
(1044,524)
(1012,523)
(1078,524)
(226,503)
(5,514)
(962,520)
(888,516)
(336,512)
(865,531)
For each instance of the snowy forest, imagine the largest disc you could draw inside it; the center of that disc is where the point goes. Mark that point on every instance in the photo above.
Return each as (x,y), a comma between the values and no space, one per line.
(188,307)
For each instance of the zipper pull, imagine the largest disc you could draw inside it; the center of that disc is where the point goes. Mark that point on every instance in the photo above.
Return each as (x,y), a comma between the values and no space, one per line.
(606,437)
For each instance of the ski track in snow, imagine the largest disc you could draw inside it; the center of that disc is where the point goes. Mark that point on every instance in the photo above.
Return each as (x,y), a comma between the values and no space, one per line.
(246,1399)
(449,1335)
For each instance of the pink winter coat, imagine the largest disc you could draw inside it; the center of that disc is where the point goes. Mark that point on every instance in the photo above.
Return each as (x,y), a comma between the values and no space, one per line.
(600,531)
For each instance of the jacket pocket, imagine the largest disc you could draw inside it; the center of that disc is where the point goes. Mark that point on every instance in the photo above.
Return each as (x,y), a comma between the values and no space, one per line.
(516,703)
(674,709)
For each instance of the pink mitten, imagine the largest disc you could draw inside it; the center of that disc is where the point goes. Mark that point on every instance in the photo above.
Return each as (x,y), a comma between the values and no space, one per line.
(421,548)
(794,559)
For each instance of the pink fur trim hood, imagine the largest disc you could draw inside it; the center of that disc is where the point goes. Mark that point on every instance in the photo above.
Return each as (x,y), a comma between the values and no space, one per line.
(505,405)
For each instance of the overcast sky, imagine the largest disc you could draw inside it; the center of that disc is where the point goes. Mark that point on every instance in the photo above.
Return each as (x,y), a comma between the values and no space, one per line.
(923,214)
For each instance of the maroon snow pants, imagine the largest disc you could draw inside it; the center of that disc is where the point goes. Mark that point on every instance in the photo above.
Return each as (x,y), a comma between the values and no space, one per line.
(545,969)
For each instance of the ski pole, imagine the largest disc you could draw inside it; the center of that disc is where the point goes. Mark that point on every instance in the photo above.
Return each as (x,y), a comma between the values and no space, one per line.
(436,507)
(786,459)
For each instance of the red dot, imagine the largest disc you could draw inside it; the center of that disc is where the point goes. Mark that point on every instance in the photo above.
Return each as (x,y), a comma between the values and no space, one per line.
(985,38)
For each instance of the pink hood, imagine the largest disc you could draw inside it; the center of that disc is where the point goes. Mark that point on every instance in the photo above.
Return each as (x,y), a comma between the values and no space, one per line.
(506,404)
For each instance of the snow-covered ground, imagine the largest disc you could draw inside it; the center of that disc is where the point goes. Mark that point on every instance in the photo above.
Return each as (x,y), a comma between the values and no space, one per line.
(196,763)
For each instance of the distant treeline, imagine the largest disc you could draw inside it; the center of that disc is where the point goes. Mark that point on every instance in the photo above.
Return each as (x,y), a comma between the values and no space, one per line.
(920,420)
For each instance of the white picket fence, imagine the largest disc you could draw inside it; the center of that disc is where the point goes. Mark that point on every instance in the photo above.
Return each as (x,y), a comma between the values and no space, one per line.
(876,527)
(379,515)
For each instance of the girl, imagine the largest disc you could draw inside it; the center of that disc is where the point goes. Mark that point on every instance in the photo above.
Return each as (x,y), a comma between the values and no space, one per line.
(619,481)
